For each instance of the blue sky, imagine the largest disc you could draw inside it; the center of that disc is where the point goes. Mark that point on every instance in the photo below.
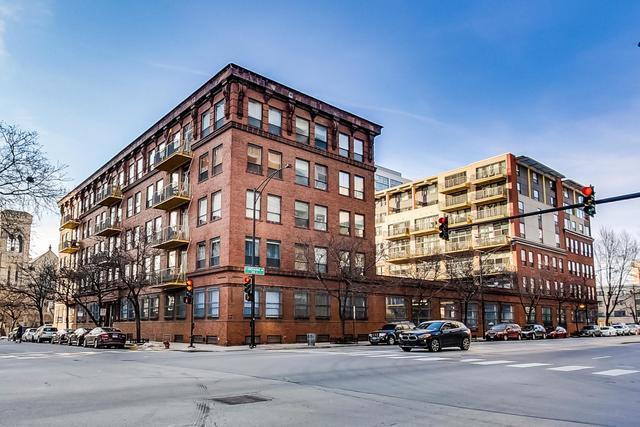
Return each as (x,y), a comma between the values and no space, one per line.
(451,82)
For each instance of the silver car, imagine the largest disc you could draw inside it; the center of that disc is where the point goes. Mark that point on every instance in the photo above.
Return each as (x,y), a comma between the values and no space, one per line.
(634,329)
(622,329)
(45,333)
(28,335)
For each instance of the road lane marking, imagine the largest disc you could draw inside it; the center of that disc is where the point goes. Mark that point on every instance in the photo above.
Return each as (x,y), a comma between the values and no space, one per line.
(601,357)
(471,360)
(570,368)
(616,372)
(528,365)
(434,358)
(493,362)
(403,357)
(380,355)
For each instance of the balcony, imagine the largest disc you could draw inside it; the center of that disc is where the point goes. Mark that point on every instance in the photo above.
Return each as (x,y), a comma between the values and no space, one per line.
(460,219)
(459,246)
(69,247)
(109,195)
(109,227)
(424,226)
(453,184)
(170,238)
(173,277)
(172,197)
(398,231)
(173,156)
(454,203)
(492,213)
(399,254)
(491,242)
(489,174)
(490,194)
(69,222)
(427,250)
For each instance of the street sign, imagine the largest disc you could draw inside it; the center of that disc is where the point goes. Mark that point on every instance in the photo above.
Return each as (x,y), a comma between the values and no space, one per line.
(250,269)
(103,312)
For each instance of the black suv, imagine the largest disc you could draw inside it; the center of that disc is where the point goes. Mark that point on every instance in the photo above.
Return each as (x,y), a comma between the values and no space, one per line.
(435,335)
(388,333)
(532,332)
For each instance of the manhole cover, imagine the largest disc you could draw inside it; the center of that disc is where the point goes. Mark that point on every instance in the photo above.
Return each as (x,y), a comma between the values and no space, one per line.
(240,400)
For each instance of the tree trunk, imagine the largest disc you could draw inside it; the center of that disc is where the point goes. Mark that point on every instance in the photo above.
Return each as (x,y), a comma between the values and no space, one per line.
(67,315)
(41,314)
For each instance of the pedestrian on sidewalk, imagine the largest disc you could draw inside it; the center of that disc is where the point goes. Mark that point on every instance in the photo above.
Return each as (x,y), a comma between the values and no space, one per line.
(19,333)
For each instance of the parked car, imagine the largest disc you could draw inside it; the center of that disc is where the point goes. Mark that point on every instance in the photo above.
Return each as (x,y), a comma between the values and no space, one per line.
(389,333)
(557,332)
(77,336)
(634,328)
(12,334)
(608,331)
(504,331)
(435,335)
(62,336)
(590,331)
(44,333)
(105,337)
(29,335)
(622,329)
(532,332)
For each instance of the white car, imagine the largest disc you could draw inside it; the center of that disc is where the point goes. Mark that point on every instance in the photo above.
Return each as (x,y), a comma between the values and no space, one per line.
(28,335)
(45,333)
(622,329)
(608,331)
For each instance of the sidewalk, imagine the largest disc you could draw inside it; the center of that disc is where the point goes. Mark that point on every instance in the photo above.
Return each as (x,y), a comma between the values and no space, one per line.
(176,346)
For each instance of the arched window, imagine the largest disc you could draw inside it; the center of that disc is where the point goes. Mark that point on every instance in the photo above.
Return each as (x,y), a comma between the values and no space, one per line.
(15,244)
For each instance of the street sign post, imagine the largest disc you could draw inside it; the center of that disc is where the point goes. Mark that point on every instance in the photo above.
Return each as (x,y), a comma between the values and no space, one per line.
(255,270)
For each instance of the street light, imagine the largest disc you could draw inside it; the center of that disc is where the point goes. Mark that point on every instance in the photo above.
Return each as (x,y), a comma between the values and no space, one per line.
(257,190)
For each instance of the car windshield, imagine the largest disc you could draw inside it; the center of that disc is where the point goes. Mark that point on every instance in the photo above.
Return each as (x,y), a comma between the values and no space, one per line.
(431,326)
(499,327)
(389,326)
(527,327)
(111,330)
(50,329)
(588,327)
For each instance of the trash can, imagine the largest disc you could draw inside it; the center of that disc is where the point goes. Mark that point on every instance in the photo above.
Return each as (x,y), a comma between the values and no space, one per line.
(311,340)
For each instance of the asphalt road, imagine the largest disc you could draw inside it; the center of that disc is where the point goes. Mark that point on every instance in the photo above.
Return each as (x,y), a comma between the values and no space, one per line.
(594,381)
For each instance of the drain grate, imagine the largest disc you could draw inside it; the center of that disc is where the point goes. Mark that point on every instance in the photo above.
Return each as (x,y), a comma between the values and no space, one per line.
(240,400)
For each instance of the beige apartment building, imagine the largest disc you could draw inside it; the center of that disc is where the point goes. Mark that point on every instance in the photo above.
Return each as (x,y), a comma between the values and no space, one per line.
(538,268)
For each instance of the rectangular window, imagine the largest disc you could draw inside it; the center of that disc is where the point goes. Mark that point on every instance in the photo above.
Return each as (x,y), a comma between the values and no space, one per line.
(302,172)
(213,303)
(203,167)
(301,305)
(251,204)
(300,258)
(154,304)
(274,163)
(322,305)
(169,306)
(273,253)
(219,110)
(320,218)
(396,309)
(132,175)
(320,255)
(138,202)
(187,133)
(343,145)
(255,114)
(321,137)
(273,208)
(254,159)
(198,303)
(345,226)
(214,257)
(345,183)
(216,205)
(205,124)
(358,187)
(358,225)
(150,190)
(321,177)
(275,121)
(507,313)
(217,160)
(202,211)
(302,130)
(247,305)
(129,207)
(201,250)
(358,150)
(301,214)
(248,244)
(273,307)
(139,168)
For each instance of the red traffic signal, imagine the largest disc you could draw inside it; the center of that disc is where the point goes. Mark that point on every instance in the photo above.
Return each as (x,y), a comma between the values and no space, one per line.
(442,220)
(246,280)
(587,191)
(189,285)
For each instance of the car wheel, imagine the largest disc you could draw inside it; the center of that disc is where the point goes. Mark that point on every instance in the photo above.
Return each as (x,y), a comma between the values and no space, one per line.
(466,343)
(392,341)
(434,345)
(406,349)
(69,343)
(84,343)
(533,336)
(95,343)
(520,337)
(505,337)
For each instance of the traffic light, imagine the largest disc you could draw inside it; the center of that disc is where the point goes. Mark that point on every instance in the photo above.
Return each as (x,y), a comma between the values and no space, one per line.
(189,292)
(248,295)
(589,200)
(444,227)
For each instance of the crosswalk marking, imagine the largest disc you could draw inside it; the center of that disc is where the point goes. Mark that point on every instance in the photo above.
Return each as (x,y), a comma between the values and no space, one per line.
(492,362)
(570,368)
(528,365)
(616,372)
(601,357)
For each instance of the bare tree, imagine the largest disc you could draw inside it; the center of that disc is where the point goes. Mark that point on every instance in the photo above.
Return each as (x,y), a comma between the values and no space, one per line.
(28,181)
(615,254)
(530,294)
(560,292)
(630,301)
(12,307)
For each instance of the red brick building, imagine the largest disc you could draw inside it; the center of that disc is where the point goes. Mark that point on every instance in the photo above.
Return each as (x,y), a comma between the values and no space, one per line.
(187,182)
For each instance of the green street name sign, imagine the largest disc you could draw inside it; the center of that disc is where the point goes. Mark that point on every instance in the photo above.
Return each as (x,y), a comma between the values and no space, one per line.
(258,271)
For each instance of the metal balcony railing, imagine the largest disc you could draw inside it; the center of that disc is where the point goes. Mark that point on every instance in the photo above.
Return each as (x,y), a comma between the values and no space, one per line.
(172,196)
(108,224)
(490,171)
(174,155)
(109,195)
(170,237)
(399,253)
(492,212)
(456,200)
(170,276)
(461,245)
(492,241)
(424,224)
(488,192)
(454,181)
